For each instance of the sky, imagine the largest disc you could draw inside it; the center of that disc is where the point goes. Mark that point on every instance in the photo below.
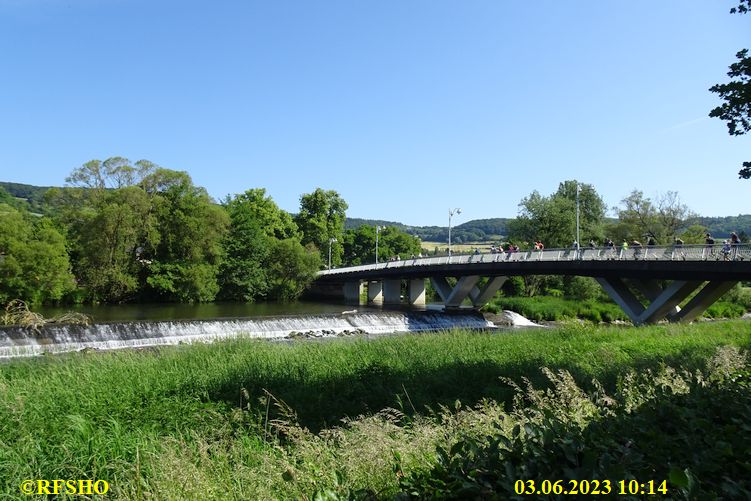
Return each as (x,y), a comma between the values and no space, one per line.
(407,108)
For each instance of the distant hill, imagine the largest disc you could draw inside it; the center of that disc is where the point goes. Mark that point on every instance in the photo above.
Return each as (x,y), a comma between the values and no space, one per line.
(477,230)
(33,195)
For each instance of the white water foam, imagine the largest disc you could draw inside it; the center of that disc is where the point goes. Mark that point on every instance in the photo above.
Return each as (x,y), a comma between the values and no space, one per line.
(21,342)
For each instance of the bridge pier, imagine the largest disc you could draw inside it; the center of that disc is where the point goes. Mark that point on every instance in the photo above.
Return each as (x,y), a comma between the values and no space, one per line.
(352,292)
(375,292)
(664,302)
(466,287)
(392,292)
(417,292)
(480,297)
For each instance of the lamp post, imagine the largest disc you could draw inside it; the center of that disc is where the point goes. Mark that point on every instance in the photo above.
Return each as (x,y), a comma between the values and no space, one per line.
(451,213)
(578,190)
(331,241)
(378,229)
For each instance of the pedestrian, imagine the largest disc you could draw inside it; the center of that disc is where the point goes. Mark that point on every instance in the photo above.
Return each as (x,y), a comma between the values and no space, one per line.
(726,250)
(592,244)
(709,246)
(678,248)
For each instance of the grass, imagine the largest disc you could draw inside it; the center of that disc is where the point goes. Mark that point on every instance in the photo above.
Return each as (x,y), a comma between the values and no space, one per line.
(247,418)
(549,308)
(466,247)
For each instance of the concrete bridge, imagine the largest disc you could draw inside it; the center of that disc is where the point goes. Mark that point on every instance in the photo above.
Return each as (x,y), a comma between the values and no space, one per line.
(649,283)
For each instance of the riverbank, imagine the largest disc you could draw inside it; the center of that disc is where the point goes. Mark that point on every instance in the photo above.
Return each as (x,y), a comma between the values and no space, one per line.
(247,419)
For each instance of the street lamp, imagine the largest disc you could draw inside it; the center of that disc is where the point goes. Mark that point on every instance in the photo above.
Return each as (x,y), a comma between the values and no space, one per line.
(578,190)
(378,229)
(331,241)
(451,213)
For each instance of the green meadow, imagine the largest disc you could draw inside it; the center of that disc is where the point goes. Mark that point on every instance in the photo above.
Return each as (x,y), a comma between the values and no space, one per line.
(442,415)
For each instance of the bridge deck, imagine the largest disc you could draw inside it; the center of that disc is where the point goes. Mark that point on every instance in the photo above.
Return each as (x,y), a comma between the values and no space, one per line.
(688,262)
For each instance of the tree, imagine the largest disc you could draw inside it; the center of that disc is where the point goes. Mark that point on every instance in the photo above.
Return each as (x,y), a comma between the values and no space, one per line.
(34,263)
(640,217)
(736,110)
(256,224)
(292,268)
(359,245)
(183,263)
(110,221)
(552,219)
(321,218)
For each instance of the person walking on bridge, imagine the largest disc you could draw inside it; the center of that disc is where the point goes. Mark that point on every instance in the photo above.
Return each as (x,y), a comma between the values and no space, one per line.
(709,247)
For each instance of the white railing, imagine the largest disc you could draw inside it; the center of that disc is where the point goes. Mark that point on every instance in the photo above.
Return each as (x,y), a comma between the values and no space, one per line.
(716,252)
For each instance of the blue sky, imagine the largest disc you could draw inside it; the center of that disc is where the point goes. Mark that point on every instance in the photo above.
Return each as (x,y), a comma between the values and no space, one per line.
(405,107)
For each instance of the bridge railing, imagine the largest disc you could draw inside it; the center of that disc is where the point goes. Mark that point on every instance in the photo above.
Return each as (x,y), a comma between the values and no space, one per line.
(716,252)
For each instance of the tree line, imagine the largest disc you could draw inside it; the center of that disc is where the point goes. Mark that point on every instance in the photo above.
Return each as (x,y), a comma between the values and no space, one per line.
(136,232)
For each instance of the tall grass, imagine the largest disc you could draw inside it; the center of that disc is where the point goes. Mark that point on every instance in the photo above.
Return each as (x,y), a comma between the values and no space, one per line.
(549,308)
(183,421)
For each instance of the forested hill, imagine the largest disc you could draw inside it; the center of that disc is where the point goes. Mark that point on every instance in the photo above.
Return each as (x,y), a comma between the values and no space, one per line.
(477,230)
(471,231)
(33,195)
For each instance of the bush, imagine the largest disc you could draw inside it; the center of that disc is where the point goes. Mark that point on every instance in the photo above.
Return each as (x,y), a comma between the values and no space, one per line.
(677,429)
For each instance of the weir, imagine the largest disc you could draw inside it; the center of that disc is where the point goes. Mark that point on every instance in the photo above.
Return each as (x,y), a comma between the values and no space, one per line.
(22,342)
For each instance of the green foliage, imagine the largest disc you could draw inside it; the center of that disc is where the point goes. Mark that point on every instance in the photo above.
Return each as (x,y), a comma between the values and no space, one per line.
(581,288)
(291,269)
(359,245)
(736,94)
(640,217)
(681,429)
(724,309)
(552,219)
(34,264)
(548,308)
(514,286)
(321,219)
(235,417)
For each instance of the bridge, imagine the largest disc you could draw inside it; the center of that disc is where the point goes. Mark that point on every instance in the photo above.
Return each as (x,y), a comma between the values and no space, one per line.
(649,283)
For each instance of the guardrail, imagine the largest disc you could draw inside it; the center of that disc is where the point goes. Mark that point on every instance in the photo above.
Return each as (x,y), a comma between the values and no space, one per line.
(716,252)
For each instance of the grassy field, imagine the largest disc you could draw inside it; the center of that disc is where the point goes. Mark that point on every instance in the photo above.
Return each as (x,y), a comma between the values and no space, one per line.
(467,247)
(250,419)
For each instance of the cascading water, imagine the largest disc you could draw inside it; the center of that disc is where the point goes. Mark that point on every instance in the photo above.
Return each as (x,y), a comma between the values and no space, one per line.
(22,342)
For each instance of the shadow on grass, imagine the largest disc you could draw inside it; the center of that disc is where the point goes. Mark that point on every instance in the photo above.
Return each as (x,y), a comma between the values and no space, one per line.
(371,387)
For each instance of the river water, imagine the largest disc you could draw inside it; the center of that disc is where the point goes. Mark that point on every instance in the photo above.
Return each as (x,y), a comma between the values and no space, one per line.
(201,311)
(137,326)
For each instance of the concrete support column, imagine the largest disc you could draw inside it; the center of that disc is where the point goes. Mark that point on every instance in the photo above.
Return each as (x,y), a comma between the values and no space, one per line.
(664,303)
(375,292)
(704,299)
(667,302)
(392,292)
(442,287)
(461,291)
(480,297)
(623,297)
(352,292)
(417,292)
